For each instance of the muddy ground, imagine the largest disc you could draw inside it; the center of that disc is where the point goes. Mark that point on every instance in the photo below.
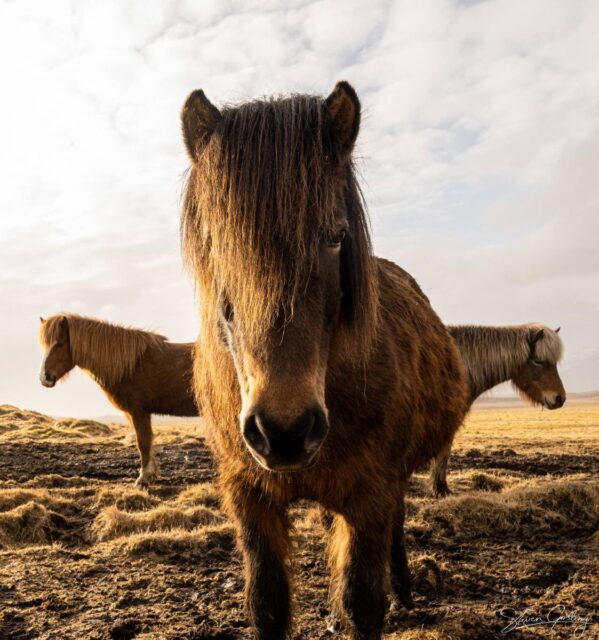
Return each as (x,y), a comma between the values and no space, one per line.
(83,554)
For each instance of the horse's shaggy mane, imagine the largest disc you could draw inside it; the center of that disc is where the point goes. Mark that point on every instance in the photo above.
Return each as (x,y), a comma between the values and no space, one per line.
(110,352)
(259,199)
(500,352)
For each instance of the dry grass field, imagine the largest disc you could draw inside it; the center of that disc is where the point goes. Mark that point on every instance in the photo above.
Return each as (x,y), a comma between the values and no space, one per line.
(83,554)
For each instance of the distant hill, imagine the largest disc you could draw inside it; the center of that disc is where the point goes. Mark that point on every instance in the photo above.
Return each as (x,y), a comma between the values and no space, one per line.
(585,397)
(118,418)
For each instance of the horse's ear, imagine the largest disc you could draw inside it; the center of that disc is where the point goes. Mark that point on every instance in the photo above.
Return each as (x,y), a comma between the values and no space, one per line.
(199,118)
(42,320)
(64,328)
(536,335)
(557,330)
(343,108)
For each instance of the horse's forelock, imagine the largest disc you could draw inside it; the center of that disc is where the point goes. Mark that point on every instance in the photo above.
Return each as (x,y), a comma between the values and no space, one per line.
(550,346)
(49,331)
(264,191)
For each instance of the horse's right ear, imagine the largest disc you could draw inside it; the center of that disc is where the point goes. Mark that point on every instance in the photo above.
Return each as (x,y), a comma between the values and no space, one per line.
(42,320)
(557,330)
(199,118)
(343,109)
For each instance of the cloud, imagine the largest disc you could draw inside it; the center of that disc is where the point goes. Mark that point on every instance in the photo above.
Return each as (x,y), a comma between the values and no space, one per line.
(477,149)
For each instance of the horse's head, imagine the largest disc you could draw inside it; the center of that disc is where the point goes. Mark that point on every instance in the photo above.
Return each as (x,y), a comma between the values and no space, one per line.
(539,379)
(57,360)
(274,226)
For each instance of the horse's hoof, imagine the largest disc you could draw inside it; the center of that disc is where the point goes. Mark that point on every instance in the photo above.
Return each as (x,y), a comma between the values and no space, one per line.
(441,491)
(402,598)
(144,481)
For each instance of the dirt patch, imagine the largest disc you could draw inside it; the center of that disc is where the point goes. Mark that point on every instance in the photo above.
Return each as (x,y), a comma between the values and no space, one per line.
(84,554)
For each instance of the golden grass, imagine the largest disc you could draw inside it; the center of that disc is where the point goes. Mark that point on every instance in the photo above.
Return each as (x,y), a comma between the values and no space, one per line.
(575,426)
(126,498)
(202,493)
(11,498)
(17,425)
(533,507)
(111,522)
(29,523)
(215,539)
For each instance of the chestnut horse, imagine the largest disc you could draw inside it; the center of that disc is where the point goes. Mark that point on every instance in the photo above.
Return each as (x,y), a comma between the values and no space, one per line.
(526,354)
(140,372)
(322,374)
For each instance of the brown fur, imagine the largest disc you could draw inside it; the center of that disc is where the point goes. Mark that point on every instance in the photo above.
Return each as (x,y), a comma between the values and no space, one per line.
(140,372)
(525,354)
(295,320)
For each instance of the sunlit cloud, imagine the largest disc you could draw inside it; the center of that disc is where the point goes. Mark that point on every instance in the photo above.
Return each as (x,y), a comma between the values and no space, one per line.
(478,152)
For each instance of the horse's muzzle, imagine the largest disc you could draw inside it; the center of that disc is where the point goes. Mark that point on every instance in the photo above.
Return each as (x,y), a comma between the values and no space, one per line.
(556,403)
(290,447)
(47,380)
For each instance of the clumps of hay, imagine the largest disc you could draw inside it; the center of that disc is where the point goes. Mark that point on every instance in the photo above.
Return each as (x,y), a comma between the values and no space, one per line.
(18,425)
(11,498)
(554,505)
(55,480)
(13,421)
(125,498)
(29,523)
(427,575)
(84,428)
(485,482)
(209,542)
(112,523)
(204,493)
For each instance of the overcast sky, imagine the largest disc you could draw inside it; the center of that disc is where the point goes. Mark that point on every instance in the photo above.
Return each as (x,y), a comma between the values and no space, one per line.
(479,154)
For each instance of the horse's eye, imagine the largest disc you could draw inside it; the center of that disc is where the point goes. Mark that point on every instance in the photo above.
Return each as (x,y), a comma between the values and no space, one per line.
(536,362)
(336,240)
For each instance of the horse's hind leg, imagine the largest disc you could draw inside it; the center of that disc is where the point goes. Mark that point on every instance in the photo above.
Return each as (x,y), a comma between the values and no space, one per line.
(401,580)
(439,472)
(142,422)
(263,535)
(359,557)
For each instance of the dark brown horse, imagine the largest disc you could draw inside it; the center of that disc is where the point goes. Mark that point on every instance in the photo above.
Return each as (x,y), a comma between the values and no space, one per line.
(140,372)
(525,354)
(322,374)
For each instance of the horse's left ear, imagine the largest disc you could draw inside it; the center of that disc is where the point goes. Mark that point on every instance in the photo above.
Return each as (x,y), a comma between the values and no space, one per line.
(536,335)
(343,108)
(64,328)
(42,320)
(557,330)
(199,118)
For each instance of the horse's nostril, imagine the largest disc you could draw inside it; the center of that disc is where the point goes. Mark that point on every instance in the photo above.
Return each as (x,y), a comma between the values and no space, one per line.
(559,401)
(255,436)
(286,444)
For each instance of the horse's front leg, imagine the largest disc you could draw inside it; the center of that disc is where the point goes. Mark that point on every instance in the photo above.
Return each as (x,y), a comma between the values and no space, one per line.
(360,548)
(263,536)
(142,422)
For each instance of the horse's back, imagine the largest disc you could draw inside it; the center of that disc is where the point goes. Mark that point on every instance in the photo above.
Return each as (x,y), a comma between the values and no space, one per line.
(161,383)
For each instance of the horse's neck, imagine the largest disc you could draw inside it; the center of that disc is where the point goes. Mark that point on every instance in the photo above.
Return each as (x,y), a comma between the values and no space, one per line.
(89,364)
(487,366)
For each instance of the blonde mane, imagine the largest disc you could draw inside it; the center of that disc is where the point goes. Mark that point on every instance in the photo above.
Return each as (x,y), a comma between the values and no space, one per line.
(108,352)
(495,354)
